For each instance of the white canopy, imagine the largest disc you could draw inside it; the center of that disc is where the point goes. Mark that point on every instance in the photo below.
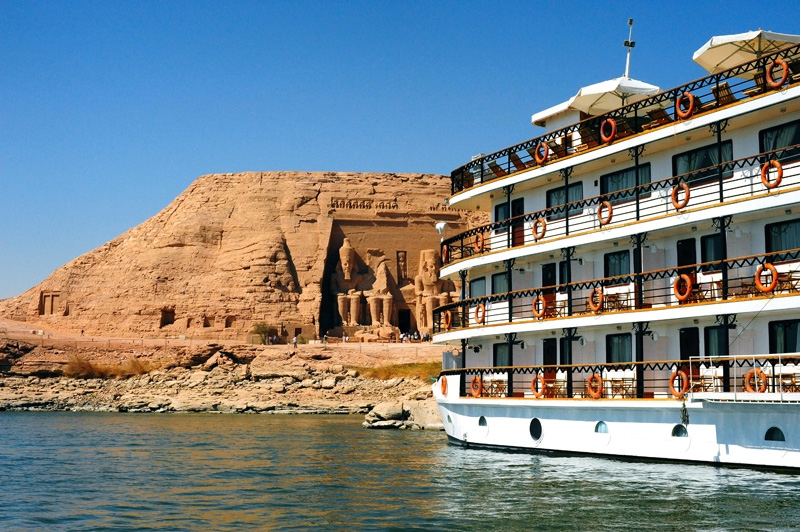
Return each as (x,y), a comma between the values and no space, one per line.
(607,95)
(727,51)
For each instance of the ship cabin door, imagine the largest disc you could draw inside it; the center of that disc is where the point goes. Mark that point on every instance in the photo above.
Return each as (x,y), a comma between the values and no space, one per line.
(517,226)
(687,257)
(690,349)
(549,294)
(549,358)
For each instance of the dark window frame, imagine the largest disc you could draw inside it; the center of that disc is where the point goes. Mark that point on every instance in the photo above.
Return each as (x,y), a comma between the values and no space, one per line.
(713,330)
(705,251)
(471,295)
(609,354)
(773,340)
(494,283)
(631,194)
(572,211)
(607,274)
(768,242)
(788,156)
(498,217)
(496,355)
(710,175)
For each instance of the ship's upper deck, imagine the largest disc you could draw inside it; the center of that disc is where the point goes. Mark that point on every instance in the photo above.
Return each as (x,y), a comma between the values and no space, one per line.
(745,89)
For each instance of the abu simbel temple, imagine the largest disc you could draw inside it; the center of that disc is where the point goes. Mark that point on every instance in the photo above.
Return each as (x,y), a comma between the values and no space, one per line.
(311,253)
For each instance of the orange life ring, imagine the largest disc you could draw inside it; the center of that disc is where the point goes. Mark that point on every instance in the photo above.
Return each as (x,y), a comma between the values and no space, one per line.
(766,288)
(538,235)
(480,313)
(448,320)
(608,138)
(445,253)
(444,385)
(684,383)
(674,195)
(596,394)
(771,81)
(599,306)
(760,380)
(476,386)
(540,392)
(676,287)
(479,242)
(609,208)
(543,306)
(689,111)
(541,153)
(765,174)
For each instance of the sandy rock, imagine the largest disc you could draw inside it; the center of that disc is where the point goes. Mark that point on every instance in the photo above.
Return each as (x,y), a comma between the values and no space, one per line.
(388,410)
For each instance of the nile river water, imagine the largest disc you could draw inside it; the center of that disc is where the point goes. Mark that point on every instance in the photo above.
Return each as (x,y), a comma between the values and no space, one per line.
(89,471)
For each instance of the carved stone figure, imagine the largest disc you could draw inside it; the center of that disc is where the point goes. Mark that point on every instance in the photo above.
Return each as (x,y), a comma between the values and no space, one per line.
(431,291)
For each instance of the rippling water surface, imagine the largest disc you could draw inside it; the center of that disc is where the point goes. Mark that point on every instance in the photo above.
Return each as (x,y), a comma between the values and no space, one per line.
(73,471)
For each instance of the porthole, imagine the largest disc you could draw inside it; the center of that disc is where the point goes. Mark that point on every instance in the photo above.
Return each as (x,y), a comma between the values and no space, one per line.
(601,427)
(774,434)
(536,429)
(679,431)
(449,421)
(482,422)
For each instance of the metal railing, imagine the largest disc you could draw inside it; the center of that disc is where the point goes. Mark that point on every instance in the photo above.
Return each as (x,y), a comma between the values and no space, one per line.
(699,189)
(709,93)
(729,378)
(748,277)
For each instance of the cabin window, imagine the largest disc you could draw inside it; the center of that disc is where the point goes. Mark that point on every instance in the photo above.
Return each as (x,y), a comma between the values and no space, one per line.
(499,283)
(601,427)
(701,163)
(782,236)
(774,434)
(679,431)
(500,214)
(711,249)
(558,197)
(501,355)
(716,341)
(535,428)
(477,287)
(616,264)
(779,137)
(623,182)
(783,337)
(618,348)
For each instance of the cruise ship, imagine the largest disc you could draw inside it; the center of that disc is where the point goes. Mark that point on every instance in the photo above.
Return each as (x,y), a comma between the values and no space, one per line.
(636,293)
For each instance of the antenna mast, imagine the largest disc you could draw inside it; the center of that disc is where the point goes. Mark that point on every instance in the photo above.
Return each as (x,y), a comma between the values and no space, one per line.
(629,44)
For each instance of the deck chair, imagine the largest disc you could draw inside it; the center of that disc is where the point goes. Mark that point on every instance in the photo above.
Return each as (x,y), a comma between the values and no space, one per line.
(589,139)
(496,170)
(516,161)
(658,117)
(723,94)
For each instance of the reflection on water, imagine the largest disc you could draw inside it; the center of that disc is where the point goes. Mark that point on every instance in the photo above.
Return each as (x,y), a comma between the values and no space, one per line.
(71,471)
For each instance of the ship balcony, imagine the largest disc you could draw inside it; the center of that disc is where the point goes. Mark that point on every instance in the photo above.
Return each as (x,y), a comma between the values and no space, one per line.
(749,278)
(743,83)
(765,378)
(728,183)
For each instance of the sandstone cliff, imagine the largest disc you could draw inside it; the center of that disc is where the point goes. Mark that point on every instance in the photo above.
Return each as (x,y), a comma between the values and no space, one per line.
(234,249)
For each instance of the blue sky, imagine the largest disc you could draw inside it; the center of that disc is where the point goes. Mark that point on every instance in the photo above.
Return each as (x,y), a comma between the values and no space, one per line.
(108,110)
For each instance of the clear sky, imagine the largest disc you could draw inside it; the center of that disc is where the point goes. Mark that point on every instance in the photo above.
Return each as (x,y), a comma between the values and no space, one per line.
(108,110)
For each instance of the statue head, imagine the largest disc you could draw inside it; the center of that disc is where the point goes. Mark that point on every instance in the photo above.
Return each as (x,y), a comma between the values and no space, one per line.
(347,256)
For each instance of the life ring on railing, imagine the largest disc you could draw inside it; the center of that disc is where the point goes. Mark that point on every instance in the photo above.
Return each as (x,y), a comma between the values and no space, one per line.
(480,241)
(480,313)
(674,195)
(766,288)
(444,385)
(684,383)
(682,113)
(608,137)
(596,307)
(543,306)
(538,235)
(540,392)
(765,174)
(590,386)
(771,81)
(676,287)
(448,320)
(605,219)
(476,386)
(760,380)
(541,153)
(445,254)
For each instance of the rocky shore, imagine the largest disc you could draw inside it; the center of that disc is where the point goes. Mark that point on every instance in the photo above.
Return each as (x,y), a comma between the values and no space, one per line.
(214,378)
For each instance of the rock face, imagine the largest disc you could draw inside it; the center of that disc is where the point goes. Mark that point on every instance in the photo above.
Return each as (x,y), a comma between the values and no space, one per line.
(235,249)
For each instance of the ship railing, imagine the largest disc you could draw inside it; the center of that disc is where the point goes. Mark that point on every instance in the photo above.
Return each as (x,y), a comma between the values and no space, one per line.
(707,187)
(709,93)
(724,378)
(759,276)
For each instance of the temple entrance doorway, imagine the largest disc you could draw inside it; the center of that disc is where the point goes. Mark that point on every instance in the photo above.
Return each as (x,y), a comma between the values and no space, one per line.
(404,320)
